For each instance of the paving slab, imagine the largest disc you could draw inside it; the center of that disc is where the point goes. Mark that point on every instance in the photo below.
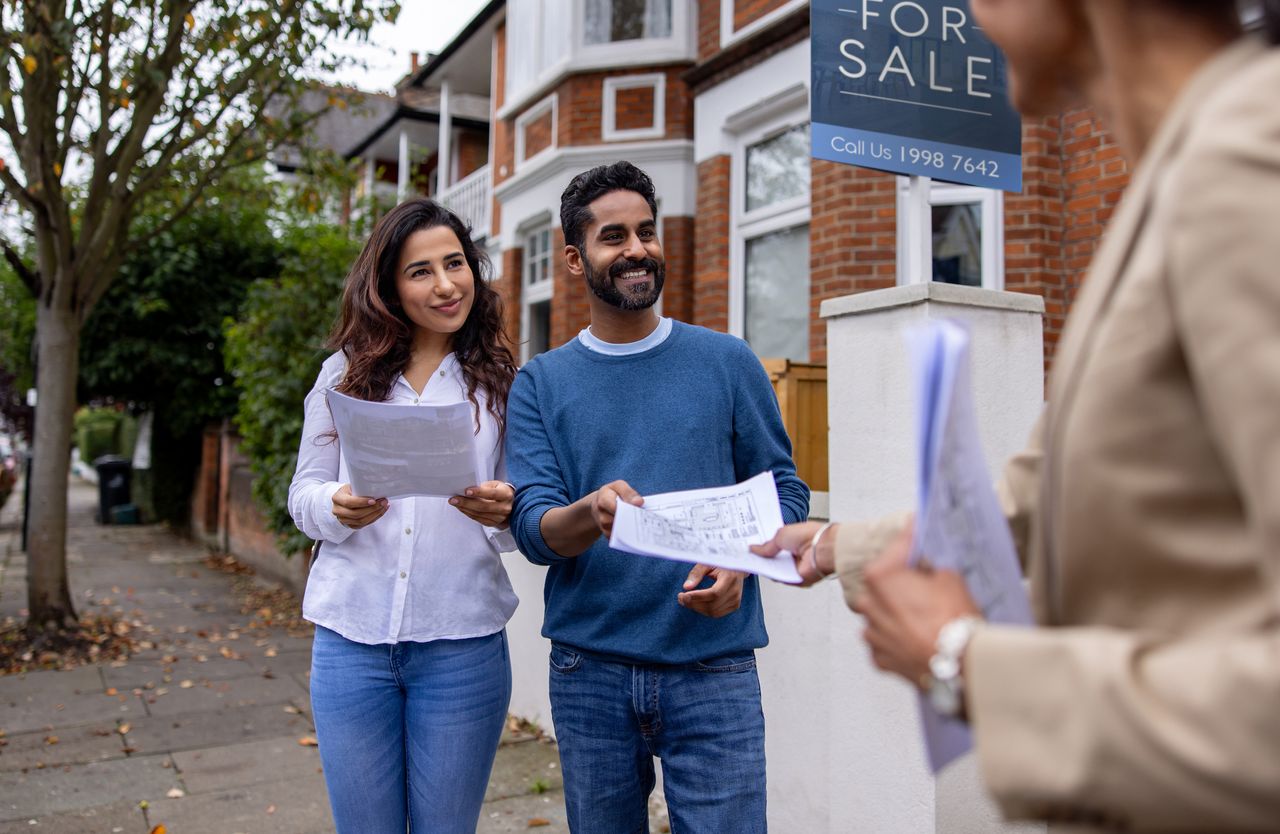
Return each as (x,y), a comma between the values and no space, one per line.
(57,790)
(293,806)
(246,764)
(284,664)
(161,672)
(117,818)
(198,730)
(524,767)
(56,707)
(185,695)
(70,745)
(505,816)
(14,688)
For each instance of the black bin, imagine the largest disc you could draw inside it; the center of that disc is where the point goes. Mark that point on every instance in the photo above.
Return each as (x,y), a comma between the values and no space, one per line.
(113,484)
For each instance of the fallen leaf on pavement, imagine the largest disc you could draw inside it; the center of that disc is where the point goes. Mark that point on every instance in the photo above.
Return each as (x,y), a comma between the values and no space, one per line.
(187,684)
(176,793)
(159,829)
(111,690)
(292,710)
(124,728)
(308,741)
(271,809)
(538,822)
(50,739)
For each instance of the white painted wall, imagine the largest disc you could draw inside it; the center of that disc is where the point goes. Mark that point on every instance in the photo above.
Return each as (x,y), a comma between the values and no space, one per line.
(843,740)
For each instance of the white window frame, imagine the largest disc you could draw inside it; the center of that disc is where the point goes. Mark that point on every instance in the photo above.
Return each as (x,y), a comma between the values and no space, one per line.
(531,294)
(914,208)
(744,225)
(550,103)
(609,131)
(578,57)
(729,36)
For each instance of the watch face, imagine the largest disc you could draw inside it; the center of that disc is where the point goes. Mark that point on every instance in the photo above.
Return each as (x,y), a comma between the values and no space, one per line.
(943,668)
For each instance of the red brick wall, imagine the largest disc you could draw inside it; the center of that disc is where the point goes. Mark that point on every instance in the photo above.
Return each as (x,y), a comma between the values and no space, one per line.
(1094,179)
(709,27)
(1033,226)
(746,11)
(473,152)
(677,247)
(711,236)
(537,134)
(570,311)
(852,238)
(581,105)
(509,288)
(633,108)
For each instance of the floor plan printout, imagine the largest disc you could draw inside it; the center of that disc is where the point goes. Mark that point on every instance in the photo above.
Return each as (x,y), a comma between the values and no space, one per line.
(394,451)
(714,526)
(959,524)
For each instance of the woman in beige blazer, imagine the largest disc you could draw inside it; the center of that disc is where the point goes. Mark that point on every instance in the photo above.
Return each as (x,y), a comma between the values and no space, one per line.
(1147,507)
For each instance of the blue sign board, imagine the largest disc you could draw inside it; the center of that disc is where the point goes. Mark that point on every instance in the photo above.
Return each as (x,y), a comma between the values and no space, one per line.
(912,87)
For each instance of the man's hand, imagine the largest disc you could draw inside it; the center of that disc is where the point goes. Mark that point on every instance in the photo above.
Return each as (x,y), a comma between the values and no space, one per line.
(604,504)
(723,597)
(488,503)
(356,511)
(795,539)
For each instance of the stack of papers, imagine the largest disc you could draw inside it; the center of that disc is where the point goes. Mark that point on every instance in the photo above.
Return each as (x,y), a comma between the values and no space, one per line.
(395,451)
(959,523)
(714,526)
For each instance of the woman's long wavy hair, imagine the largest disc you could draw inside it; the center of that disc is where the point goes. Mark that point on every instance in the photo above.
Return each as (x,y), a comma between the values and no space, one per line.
(376,335)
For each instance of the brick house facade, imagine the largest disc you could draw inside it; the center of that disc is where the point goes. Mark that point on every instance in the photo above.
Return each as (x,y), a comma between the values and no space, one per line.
(711,98)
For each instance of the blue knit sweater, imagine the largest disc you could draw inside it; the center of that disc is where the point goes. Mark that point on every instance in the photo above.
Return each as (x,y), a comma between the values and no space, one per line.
(695,411)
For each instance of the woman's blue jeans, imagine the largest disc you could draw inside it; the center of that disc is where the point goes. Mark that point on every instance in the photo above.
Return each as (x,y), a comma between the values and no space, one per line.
(408,731)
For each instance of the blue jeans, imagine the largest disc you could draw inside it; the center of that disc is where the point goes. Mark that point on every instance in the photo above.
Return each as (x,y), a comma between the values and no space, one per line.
(704,722)
(408,731)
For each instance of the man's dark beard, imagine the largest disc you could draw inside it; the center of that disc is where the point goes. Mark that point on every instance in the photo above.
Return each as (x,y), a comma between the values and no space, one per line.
(603,287)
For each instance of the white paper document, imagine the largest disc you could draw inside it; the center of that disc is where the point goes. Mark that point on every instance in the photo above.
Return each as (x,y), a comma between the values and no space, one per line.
(714,526)
(394,451)
(959,524)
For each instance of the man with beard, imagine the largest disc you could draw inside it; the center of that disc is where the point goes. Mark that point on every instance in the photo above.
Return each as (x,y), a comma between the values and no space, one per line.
(648,657)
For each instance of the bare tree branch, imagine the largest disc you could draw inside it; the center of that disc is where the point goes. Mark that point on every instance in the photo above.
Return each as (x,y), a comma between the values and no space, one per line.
(29,279)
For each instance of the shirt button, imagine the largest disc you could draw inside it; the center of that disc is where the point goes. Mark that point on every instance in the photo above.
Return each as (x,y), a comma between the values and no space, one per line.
(408,530)
(403,574)
(415,400)
(442,373)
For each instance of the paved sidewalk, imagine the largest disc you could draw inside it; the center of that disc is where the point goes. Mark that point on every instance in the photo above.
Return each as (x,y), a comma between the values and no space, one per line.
(207,728)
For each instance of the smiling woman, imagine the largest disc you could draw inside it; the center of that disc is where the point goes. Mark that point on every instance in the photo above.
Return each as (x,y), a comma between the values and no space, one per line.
(409,595)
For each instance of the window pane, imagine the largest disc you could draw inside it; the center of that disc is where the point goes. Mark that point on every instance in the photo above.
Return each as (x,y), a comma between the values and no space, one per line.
(778,168)
(777,297)
(957,244)
(539,328)
(607,21)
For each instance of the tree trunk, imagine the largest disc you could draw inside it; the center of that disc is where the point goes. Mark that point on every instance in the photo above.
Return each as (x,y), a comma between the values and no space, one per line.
(57,363)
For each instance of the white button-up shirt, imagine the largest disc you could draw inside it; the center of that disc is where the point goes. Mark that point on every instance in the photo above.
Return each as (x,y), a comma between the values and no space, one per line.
(423,571)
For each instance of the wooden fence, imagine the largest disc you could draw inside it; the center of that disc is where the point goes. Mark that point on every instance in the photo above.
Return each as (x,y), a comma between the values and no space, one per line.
(802,397)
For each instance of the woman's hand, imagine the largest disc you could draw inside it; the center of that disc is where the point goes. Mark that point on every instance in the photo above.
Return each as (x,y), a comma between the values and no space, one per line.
(488,503)
(795,539)
(356,511)
(905,608)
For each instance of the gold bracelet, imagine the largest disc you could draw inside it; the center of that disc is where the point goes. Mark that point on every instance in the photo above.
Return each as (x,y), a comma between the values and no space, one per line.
(813,550)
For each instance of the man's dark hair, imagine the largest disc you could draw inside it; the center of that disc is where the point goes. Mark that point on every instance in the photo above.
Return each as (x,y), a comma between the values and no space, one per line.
(588,186)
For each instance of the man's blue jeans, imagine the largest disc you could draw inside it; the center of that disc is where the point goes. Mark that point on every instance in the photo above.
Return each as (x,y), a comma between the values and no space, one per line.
(703,720)
(408,731)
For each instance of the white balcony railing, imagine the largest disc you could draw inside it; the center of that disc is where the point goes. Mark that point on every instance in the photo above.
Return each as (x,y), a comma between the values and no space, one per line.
(471,199)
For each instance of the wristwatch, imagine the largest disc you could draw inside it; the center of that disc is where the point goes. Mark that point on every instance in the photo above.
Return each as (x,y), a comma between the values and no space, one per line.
(945,683)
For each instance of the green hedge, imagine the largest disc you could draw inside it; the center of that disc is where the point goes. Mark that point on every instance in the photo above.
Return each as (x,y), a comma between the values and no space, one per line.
(274,352)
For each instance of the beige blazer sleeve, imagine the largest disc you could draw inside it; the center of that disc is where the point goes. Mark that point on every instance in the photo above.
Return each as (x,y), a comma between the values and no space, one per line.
(858,542)
(1166,732)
